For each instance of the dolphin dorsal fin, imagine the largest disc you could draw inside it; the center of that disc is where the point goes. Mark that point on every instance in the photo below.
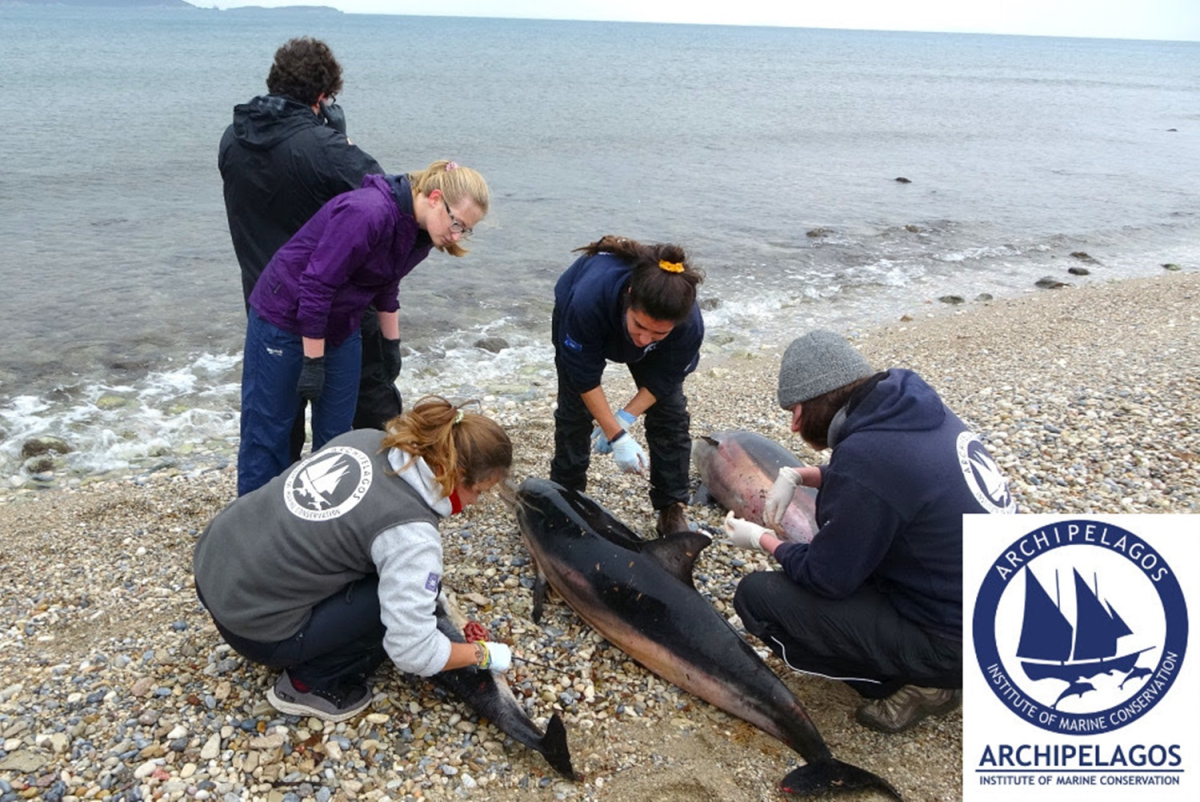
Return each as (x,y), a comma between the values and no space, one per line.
(677,553)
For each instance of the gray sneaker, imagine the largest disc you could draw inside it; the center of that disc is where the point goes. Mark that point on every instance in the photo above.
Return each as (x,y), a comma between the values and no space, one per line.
(325,705)
(907,707)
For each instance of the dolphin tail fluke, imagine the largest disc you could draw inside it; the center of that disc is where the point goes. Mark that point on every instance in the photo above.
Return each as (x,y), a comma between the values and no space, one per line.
(830,776)
(554,747)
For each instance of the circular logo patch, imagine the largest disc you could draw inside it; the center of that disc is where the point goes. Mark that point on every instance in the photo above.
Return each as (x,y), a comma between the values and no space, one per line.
(983,476)
(327,484)
(1080,627)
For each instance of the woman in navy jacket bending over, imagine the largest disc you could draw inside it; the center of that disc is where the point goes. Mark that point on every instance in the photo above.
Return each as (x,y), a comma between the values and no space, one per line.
(627,302)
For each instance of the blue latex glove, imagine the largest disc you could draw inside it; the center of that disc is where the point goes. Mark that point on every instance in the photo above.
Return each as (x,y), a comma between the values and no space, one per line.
(629,455)
(600,444)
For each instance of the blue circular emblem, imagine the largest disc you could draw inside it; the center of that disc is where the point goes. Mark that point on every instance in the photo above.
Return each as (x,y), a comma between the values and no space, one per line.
(1080,627)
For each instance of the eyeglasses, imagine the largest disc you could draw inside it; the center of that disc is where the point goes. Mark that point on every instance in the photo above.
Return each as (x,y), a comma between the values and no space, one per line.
(456,225)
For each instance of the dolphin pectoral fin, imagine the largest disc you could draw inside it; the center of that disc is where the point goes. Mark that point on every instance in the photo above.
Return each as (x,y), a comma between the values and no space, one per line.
(539,597)
(554,747)
(830,775)
(677,553)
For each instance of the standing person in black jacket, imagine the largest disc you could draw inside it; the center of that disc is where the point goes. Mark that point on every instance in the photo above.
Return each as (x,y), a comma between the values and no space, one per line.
(285,154)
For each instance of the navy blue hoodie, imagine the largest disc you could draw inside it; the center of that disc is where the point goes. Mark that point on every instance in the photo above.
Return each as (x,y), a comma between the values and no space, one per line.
(904,470)
(589,327)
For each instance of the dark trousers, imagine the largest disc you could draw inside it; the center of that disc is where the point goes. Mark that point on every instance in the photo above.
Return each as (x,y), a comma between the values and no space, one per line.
(341,643)
(668,441)
(861,640)
(379,399)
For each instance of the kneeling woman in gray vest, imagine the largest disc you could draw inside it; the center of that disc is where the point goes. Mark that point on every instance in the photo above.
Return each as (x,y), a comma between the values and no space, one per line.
(336,565)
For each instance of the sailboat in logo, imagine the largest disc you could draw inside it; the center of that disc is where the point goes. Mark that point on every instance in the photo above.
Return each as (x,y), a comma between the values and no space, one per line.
(1051,646)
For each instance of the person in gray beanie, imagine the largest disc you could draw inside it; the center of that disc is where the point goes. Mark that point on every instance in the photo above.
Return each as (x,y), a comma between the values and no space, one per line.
(818,363)
(875,599)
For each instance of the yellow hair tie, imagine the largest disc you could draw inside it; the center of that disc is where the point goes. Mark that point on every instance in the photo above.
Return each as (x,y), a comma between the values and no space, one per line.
(458,416)
(670,267)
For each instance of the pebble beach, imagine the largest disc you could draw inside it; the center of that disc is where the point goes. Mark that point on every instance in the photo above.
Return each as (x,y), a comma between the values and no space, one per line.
(115,685)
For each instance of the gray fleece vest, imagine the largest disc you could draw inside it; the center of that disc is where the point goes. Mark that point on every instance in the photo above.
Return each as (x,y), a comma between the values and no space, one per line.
(269,557)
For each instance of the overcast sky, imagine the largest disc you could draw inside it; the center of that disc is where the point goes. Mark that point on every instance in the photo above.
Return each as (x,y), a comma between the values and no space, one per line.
(1121,19)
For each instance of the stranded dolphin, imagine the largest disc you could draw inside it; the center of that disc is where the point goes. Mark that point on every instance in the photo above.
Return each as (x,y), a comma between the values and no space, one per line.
(639,595)
(739,467)
(489,695)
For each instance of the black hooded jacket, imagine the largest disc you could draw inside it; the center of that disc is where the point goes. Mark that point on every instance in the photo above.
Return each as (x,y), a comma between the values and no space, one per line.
(280,163)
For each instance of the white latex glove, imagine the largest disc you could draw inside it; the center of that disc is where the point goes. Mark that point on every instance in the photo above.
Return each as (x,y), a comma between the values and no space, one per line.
(629,455)
(780,496)
(497,656)
(744,534)
(600,444)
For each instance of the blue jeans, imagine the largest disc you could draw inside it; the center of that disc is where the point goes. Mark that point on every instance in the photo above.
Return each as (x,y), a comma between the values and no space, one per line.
(270,370)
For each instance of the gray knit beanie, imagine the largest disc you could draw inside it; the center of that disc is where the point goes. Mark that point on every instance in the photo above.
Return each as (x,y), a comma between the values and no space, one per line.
(816,363)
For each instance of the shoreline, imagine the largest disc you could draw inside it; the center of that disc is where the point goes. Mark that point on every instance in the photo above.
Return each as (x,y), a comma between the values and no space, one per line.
(181,415)
(115,679)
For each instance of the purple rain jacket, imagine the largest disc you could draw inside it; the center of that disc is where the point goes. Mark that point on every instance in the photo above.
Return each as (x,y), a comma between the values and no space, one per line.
(351,254)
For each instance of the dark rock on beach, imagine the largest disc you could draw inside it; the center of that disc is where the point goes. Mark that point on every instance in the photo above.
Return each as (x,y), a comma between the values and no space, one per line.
(493,344)
(43,463)
(1079,271)
(1083,256)
(1050,283)
(953,300)
(902,180)
(38,446)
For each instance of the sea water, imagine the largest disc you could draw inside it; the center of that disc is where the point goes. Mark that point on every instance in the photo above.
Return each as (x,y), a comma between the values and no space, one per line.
(771,154)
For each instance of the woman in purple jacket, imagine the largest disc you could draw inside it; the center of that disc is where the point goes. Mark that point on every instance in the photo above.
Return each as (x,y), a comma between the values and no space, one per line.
(302,335)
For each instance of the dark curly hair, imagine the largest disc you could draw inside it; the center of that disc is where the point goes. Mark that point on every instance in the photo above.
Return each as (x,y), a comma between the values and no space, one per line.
(304,69)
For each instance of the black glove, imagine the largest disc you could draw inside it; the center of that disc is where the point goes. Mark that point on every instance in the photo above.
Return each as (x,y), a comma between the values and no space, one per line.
(335,118)
(312,378)
(391,359)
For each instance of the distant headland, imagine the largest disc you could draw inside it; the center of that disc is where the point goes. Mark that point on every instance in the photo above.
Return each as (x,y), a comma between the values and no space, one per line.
(162,4)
